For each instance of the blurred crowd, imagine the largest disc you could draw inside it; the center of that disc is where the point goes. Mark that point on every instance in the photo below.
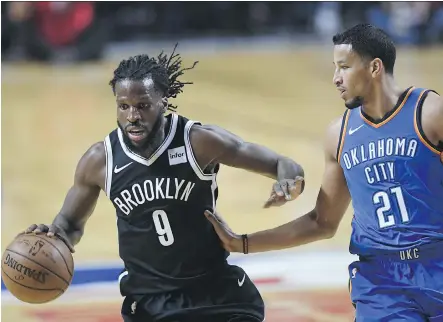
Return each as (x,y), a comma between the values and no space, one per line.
(80,31)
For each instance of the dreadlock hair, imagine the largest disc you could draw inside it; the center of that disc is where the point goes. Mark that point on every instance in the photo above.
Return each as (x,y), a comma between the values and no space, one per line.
(163,70)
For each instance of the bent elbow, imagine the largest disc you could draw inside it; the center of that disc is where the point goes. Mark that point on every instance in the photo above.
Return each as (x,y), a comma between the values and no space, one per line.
(329,232)
(327,228)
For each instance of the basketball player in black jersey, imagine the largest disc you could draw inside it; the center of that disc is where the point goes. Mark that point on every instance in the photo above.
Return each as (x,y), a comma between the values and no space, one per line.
(160,173)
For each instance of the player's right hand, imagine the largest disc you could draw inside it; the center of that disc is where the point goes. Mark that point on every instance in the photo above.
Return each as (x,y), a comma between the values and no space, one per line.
(51,231)
(230,241)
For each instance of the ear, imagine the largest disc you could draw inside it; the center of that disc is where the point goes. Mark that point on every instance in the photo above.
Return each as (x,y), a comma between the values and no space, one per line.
(165,103)
(376,67)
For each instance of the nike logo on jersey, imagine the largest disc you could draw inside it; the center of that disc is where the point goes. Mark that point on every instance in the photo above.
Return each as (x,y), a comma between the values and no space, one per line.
(117,170)
(177,155)
(352,131)
(240,283)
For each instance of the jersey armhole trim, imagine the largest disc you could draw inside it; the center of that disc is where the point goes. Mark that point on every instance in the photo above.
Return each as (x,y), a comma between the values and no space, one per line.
(122,274)
(418,126)
(190,154)
(109,165)
(341,139)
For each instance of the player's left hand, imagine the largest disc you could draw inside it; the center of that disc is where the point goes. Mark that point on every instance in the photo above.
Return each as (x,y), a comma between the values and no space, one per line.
(285,190)
(231,241)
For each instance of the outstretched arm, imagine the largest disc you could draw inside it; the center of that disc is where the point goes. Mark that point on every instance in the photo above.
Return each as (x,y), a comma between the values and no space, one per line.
(227,148)
(80,200)
(322,222)
(212,145)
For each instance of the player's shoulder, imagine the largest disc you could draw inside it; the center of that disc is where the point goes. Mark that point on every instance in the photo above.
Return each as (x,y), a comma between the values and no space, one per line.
(96,152)
(200,129)
(93,160)
(333,135)
(433,100)
(432,115)
(432,106)
(335,126)
(214,134)
(209,142)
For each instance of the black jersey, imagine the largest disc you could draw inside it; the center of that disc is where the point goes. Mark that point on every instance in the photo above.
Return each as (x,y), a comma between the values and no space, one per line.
(165,241)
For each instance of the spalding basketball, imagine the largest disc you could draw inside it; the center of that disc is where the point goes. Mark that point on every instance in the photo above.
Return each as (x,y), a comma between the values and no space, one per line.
(37,268)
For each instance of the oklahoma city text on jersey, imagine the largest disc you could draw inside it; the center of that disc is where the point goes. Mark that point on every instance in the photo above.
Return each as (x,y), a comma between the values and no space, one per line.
(382,148)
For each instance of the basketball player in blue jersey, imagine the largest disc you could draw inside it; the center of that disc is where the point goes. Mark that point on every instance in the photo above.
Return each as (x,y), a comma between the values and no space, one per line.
(384,154)
(160,174)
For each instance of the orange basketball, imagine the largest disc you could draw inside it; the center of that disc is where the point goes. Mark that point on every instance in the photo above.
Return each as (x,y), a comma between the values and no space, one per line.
(36,268)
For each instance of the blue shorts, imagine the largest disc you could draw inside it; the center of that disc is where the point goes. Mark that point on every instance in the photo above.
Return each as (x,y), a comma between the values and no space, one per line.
(401,286)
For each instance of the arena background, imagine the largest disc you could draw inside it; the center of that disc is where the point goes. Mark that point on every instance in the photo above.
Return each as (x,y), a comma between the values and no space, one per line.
(265,73)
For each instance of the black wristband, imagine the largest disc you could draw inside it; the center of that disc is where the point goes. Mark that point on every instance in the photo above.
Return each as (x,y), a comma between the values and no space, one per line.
(245,243)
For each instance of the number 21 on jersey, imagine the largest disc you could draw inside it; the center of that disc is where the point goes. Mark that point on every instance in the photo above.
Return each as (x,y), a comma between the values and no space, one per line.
(382,200)
(163,228)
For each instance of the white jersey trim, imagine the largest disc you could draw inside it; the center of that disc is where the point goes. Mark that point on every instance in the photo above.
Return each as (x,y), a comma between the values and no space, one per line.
(213,188)
(158,152)
(120,277)
(191,158)
(109,165)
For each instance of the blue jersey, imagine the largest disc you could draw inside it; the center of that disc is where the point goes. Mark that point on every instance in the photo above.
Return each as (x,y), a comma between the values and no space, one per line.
(395,178)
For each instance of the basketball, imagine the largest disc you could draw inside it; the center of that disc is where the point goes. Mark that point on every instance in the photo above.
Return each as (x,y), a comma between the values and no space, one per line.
(37,268)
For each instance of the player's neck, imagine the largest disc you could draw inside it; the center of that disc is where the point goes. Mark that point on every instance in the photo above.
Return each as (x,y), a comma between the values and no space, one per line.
(156,138)
(154,143)
(382,99)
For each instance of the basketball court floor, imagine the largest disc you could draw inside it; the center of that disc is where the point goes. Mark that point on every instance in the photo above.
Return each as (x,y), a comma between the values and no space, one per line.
(284,100)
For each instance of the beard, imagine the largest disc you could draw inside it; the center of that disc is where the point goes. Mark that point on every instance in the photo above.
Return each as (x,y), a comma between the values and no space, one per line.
(354,103)
(152,141)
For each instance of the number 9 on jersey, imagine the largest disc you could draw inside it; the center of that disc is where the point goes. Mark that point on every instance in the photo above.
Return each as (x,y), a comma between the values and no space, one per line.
(163,228)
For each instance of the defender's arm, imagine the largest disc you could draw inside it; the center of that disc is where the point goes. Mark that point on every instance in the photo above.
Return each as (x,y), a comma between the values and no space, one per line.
(320,223)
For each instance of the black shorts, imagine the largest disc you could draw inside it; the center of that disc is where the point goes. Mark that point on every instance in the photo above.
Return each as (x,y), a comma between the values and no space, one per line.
(229,297)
